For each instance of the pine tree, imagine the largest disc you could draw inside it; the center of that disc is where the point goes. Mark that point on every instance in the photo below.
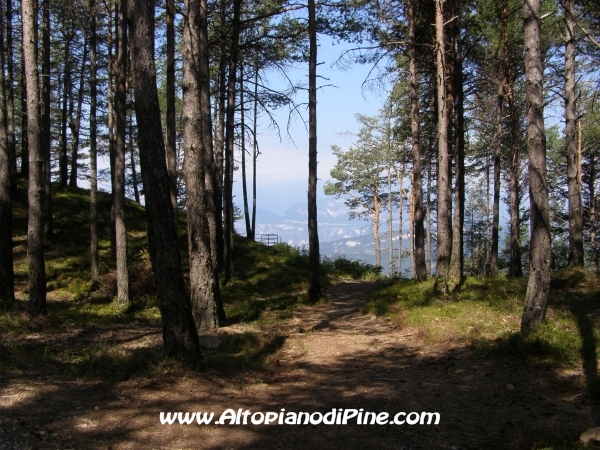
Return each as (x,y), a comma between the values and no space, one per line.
(179,332)
(538,287)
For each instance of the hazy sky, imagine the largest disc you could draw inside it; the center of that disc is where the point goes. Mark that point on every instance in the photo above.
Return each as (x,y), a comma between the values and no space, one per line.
(282,171)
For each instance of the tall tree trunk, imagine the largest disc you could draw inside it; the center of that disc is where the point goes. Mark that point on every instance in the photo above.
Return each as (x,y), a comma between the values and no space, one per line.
(229,140)
(179,332)
(538,287)
(515,268)
(401,223)
(119,155)
(63,160)
(197,139)
(592,208)
(10,97)
(218,161)
(428,218)
(400,181)
(24,119)
(75,124)
(502,93)
(219,145)
(254,155)
(112,35)
(390,223)
(314,282)
(417,228)
(35,191)
(134,177)
(7,276)
(46,126)
(94,268)
(457,256)
(171,122)
(376,237)
(243,145)
(411,237)
(497,154)
(444,193)
(488,237)
(515,264)
(213,213)
(573,178)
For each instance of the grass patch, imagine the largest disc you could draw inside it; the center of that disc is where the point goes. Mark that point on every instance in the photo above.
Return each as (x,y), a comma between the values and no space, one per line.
(271,281)
(486,313)
(267,280)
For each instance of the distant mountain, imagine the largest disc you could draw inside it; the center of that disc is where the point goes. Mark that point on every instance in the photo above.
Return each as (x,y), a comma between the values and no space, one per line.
(338,235)
(291,225)
(262,216)
(363,248)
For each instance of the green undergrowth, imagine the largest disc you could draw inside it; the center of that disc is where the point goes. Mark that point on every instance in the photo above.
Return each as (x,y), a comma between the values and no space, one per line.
(486,313)
(67,250)
(268,284)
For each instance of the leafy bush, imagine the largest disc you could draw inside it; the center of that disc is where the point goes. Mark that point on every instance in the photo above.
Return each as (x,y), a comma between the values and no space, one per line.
(342,267)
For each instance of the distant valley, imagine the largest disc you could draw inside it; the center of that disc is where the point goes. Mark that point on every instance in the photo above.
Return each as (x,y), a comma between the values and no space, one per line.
(338,235)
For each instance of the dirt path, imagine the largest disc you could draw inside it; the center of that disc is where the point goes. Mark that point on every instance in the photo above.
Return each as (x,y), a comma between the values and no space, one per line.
(330,356)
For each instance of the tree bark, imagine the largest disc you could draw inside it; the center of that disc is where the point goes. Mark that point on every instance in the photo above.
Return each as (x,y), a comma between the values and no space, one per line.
(401,223)
(35,191)
(411,239)
(457,256)
(390,222)
(134,176)
(488,224)
(75,124)
(229,141)
(112,35)
(197,140)
(46,126)
(497,154)
(243,142)
(444,193)
(219,146)
(573,177)
(538,287)
(24,119)
(254,155)
(171,133)
(63,159)
(94,268)
(376,238)
(428,218)
(119,158)
(179,332)
(515,268)
(314,282)
(10,97)
(592,208)
(418,230)
(7,277)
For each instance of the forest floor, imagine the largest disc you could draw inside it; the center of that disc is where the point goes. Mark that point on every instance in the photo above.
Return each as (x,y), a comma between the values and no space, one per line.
(320,357)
